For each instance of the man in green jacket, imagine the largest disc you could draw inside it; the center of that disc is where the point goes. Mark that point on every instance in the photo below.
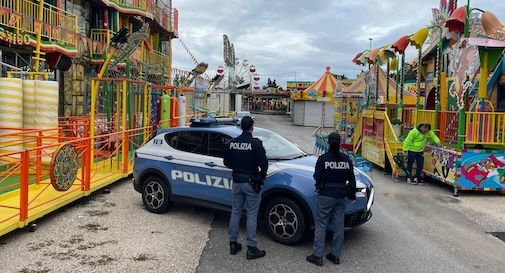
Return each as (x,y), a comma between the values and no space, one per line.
(414,146)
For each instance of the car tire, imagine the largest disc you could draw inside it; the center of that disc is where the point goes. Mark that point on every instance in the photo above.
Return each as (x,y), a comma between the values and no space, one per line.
(156,195)
(285,220)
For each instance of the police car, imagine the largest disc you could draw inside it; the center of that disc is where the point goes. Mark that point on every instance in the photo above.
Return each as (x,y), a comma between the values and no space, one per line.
(185,164)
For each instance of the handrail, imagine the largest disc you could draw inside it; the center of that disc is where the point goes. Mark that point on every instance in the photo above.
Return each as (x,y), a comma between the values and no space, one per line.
(389,129)
(56,24)
(358,132)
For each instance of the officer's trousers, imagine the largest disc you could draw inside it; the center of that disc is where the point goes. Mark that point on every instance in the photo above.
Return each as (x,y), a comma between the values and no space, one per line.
(329,208)
(244,197)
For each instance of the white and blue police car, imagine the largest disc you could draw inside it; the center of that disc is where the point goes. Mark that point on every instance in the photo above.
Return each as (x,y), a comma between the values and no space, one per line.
(185,164)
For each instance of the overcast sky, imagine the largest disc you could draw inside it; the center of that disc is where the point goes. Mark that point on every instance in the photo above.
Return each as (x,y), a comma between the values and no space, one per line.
(284,37)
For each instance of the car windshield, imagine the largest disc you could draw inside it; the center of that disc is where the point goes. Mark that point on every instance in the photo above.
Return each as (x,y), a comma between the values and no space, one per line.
(243,114)
(277,147)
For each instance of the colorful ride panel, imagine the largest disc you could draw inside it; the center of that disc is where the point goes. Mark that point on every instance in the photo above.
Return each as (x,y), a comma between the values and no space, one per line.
(472,169)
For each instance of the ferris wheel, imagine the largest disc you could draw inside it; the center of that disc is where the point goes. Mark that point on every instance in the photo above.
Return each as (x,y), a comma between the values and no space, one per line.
(241,75)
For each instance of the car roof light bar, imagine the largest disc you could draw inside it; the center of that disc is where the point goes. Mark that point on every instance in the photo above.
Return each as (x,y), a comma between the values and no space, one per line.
(206,122)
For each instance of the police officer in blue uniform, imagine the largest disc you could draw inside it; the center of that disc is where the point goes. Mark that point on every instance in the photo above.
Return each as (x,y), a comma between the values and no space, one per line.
(335,183)
(246,156)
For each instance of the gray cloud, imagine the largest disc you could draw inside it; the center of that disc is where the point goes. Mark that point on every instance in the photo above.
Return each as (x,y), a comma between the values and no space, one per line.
(283,37)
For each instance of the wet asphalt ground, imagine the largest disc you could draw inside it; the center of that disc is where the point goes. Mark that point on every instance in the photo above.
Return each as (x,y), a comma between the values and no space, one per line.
(413,229)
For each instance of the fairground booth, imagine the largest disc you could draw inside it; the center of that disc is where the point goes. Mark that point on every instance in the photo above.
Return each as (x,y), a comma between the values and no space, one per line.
(315,105)
(460,93)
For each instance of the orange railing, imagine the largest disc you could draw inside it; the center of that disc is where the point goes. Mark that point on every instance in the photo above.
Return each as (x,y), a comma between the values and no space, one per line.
(448,126)
(25,184)
(408,118)
(77,126)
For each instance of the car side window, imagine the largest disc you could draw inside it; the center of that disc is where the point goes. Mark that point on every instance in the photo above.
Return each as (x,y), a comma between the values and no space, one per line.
(192,142)
(171,139)
(217,144)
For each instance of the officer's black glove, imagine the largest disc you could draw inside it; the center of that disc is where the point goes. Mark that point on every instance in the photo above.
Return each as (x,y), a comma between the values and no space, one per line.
(318,188)
(351,191)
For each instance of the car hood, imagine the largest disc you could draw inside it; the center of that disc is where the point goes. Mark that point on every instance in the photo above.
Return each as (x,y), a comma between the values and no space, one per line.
(305,166)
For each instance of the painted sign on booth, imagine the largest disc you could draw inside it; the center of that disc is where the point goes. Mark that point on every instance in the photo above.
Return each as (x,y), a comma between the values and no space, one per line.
(440,162)
(482,169)
(374,151)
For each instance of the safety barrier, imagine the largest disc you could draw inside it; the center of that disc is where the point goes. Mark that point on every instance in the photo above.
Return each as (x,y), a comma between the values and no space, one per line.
(485,128)
(100,39)
(408,118)
(426,116)
(157,58)
(56,24)
(448,126)
(138,4)
(77,126)
(27,186)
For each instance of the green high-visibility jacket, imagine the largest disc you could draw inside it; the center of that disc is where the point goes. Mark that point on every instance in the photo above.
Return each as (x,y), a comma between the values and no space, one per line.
(416,140)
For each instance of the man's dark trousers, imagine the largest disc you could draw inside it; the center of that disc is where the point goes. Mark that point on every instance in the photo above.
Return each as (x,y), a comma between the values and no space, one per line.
(418,157)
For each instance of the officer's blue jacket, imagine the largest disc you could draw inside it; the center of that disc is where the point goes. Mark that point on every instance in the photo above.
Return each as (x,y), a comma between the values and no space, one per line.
(333,171)
(246,156)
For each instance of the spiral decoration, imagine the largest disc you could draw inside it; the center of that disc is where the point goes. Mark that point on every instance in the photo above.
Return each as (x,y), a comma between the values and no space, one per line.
(64,165)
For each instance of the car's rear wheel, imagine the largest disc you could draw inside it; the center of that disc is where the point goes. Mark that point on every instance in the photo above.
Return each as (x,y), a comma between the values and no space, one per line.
(156,195)
(285,220)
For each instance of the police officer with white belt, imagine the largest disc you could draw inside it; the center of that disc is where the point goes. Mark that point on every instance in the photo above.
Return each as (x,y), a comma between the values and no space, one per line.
(335,183)
(246,156)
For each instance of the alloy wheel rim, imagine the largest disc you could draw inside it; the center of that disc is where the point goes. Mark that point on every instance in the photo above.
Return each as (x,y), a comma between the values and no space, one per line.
(283,221)
(155,195)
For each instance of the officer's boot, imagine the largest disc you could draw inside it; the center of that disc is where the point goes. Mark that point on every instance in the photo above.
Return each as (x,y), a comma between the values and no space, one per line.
(254,252)
(235,248)
(332,258)
(313,259)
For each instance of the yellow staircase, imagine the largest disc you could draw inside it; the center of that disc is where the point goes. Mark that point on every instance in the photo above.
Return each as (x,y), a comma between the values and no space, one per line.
(392,143)
(358,135)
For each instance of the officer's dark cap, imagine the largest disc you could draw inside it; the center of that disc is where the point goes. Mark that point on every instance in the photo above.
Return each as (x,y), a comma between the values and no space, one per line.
(334,138)
(246,123)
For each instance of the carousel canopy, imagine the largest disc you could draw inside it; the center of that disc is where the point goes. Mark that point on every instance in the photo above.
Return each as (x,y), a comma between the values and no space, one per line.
(358,88)
(324,87)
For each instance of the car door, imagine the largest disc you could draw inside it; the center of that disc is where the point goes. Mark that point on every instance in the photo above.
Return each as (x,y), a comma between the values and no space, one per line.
(184,163)
(221,176)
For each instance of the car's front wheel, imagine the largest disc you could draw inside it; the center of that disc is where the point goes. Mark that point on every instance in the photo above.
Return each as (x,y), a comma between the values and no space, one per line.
(285,220)
(155,195)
